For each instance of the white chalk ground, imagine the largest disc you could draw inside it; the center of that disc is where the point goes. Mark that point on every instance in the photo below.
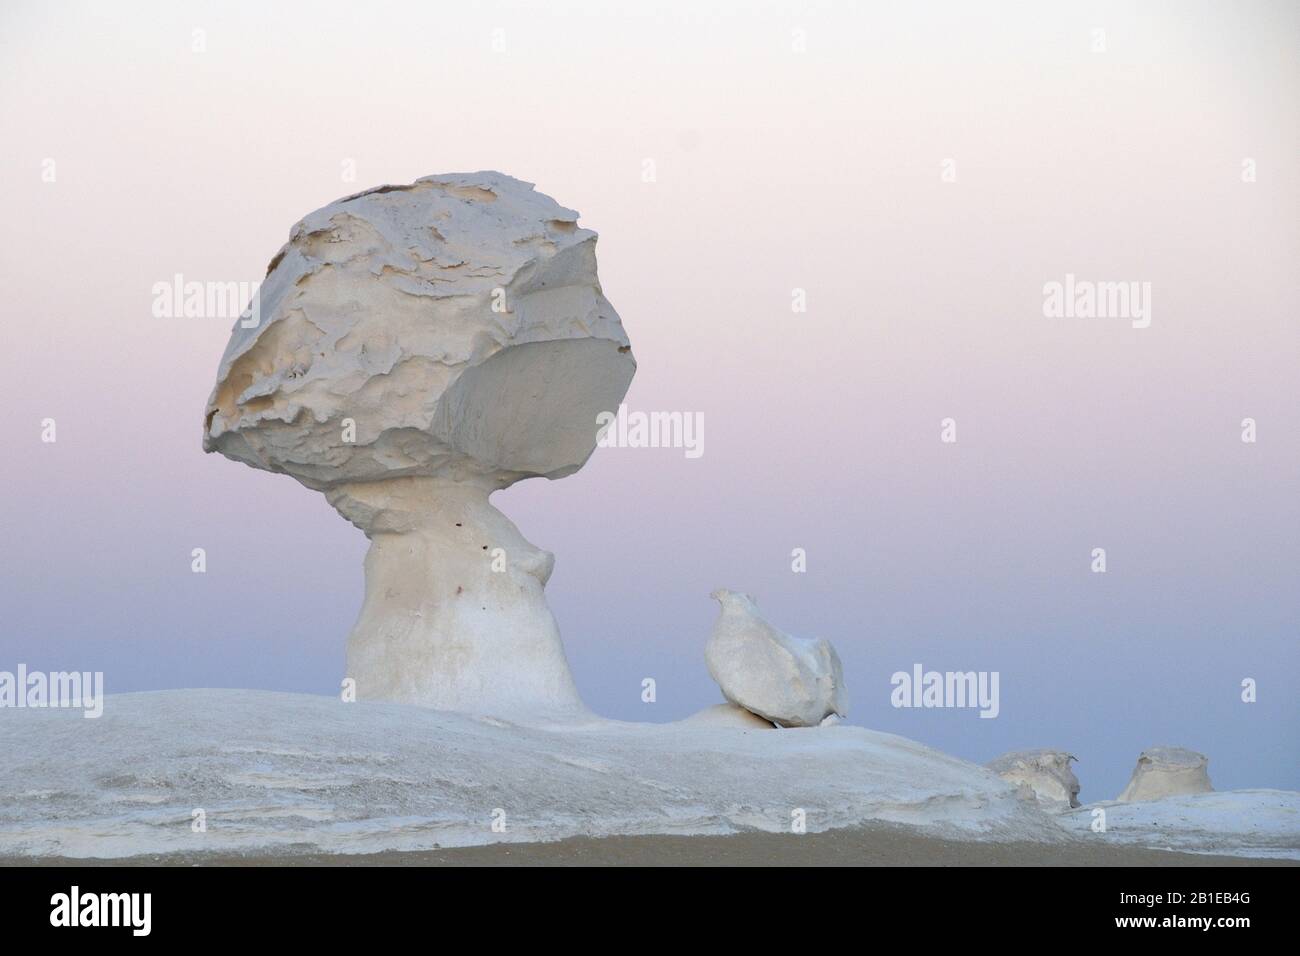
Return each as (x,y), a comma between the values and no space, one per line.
(281,772)
(1257,823)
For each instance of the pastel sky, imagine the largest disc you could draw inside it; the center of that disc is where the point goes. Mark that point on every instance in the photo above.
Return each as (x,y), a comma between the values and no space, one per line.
(775,170)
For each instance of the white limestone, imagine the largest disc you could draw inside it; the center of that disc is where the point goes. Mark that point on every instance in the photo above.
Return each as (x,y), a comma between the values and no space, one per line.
(276,772)
(1046,774)
(729,715)
(1167,772)
(1251,823)
(420,347)
(791,681)
(295,772)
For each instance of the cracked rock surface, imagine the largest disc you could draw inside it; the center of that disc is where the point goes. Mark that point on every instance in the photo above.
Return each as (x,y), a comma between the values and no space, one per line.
(457,321)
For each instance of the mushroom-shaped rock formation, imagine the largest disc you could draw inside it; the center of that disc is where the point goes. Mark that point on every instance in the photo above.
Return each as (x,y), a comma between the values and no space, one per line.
(1167,772)
(418,348)
(1045,772)
(791,681)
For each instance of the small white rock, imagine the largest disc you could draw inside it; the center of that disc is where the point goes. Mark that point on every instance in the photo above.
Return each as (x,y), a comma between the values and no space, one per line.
(1046,774)
(1167,772)
(793,682)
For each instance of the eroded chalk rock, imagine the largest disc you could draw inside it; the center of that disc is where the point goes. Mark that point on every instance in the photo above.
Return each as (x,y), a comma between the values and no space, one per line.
(1167,772)
(791,681)
(1046,773)
(418,348)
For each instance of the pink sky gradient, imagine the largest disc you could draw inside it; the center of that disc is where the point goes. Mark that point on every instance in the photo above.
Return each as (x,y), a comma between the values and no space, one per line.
(775,170)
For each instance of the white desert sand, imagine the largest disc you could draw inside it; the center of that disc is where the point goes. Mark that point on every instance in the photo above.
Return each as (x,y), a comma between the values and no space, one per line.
(280,773)
(276,770)
(1253,823)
